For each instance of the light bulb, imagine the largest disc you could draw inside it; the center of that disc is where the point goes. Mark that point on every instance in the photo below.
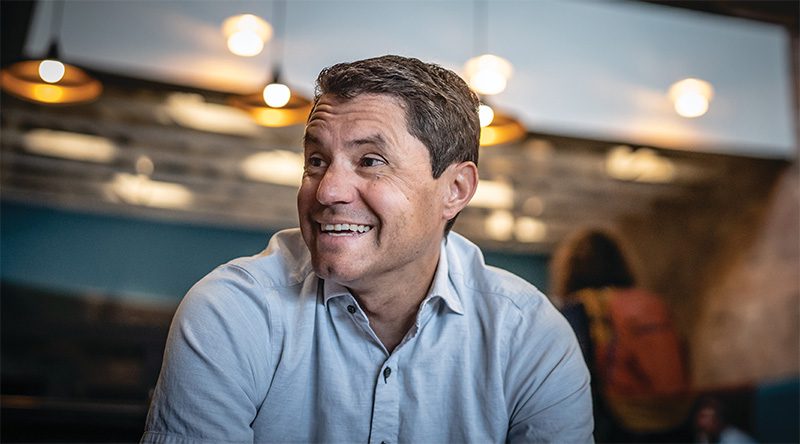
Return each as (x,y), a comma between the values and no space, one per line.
(487,82)
(51,71)
(691,105)
(485,115)
(277,95)
(488,74)
(245,43)
(691,97)
(246,34)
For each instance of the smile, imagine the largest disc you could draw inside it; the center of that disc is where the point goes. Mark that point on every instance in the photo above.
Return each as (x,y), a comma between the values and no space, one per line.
(344,229)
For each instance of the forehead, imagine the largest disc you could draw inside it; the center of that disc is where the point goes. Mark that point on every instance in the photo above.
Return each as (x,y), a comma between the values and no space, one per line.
(364,112)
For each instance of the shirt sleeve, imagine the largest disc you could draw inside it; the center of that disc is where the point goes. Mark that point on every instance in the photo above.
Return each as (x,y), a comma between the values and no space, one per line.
(213,377)
(551,398)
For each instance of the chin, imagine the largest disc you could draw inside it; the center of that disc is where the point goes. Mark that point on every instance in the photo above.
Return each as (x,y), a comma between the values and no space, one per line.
(335,274)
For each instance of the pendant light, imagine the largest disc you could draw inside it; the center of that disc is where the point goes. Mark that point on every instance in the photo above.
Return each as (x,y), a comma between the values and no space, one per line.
(276,105)
(487,74)
(49,80)
(691,97)
(498,127)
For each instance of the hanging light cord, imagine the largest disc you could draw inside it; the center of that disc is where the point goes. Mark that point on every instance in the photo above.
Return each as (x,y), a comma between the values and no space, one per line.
(481,17)
(279,13)
(56,20)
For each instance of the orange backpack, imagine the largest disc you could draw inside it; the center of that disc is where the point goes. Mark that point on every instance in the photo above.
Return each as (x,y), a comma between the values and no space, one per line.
(638,358)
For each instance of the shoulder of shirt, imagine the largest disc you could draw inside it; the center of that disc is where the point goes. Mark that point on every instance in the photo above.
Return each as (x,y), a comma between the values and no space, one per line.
(470,274)
(285,262)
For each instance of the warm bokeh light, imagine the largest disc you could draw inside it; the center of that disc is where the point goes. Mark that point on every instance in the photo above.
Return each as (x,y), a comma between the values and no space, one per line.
(641,165)
(246,34)
(69,145)
(528,229)
(279,167)
(192,111)
(533,205)
(245,44)
(139,189)
(485,114)
(51,71)
(493,194)
(691,97)
(144,165)
(488,74)
(499,225)
(277,95)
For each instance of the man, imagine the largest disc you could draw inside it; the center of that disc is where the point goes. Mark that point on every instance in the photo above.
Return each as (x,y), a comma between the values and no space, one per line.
(373,323)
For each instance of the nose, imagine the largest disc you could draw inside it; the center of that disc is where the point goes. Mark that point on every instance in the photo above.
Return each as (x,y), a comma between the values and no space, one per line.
(337,185)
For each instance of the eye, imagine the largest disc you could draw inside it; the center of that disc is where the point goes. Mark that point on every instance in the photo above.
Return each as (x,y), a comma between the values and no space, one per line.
(315,161)
(372,161)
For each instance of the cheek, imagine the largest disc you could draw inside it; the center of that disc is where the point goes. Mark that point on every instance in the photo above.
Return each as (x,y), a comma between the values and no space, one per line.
(306,194)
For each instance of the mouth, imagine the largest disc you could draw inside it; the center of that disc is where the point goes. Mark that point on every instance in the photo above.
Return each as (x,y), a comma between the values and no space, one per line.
(344,229)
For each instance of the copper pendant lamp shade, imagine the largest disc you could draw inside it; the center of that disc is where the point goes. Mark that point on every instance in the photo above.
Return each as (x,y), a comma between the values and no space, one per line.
(49,80)
(295,112)
(22,80)
(503,129)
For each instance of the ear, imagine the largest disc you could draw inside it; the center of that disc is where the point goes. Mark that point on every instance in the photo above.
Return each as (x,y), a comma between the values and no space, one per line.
(462,181)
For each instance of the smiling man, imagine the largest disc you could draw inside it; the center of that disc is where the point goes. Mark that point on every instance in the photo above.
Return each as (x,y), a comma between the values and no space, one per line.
(373,322)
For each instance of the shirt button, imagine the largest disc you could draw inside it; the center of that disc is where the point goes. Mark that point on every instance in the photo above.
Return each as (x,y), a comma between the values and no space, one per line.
(386,372)
(351,309)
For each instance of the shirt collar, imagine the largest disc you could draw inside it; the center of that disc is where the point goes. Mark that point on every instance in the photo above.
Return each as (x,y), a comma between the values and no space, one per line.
(440,289)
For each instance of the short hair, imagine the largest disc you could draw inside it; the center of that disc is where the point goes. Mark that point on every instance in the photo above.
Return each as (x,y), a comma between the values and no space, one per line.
(441,110)
(590,258)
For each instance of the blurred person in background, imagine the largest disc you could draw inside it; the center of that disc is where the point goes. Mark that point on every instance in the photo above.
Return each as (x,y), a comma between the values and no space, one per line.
(711,424)
(638,366)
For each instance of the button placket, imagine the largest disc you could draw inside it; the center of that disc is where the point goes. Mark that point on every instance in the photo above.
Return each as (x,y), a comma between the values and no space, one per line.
(386,373)
(386,407)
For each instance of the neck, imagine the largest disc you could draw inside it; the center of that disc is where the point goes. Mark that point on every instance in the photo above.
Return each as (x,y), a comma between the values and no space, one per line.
(392,309)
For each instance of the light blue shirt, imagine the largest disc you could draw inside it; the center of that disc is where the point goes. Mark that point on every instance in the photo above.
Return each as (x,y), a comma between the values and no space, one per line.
(262,350)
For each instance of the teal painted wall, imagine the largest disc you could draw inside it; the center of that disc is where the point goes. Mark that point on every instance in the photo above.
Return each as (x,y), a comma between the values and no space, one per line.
(140,258)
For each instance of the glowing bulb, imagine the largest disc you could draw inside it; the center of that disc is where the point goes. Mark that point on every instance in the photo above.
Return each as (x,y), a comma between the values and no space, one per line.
(691,105)
(51,71)
(277,95)
(486,115)
(246,34)
(488,82)
(245,43)
(691,97)
(488,74)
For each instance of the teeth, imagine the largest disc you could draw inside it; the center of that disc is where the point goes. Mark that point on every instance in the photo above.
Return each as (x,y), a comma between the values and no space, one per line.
(345,228)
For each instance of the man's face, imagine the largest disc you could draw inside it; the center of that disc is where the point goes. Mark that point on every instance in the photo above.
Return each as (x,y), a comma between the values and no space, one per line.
(708,421)
(370,210)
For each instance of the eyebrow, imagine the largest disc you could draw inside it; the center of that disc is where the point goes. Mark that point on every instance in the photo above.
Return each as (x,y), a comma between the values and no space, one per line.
(308,139)
(375,139)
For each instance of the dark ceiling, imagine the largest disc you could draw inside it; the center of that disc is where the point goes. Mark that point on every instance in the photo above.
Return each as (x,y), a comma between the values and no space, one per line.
(782,12)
